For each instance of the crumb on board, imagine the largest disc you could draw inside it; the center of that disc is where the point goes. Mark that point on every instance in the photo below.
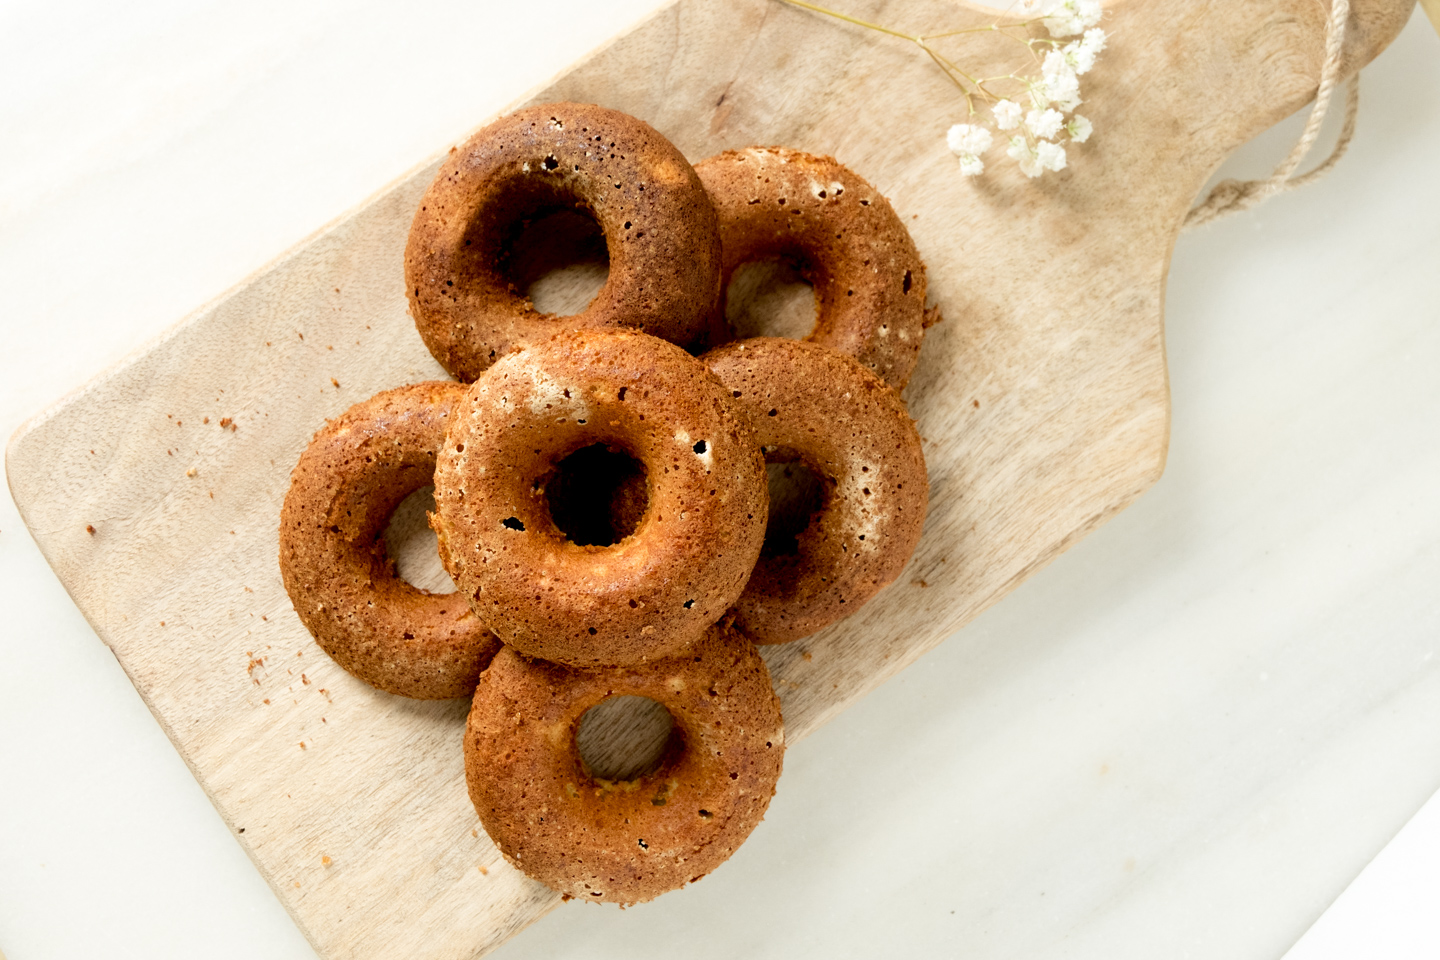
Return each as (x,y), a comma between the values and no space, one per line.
(267,701)
(190,472)
(90,529)
(304,679)
(474,833)
(326,861)
(302,744)
(204,419)
(922,584)
(483,871)
(335,382)
(807,656)
(162,623)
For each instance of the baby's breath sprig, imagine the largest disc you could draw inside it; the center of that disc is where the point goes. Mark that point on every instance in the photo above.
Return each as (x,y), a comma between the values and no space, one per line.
(1037,135)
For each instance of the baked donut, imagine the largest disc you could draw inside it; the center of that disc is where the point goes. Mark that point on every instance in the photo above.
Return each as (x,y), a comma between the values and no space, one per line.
(852,432)
(631,840)
(659,229)
(703,523)
(840,234)
(348,482)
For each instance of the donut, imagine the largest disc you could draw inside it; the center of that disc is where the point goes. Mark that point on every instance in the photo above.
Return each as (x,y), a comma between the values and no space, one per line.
(624,841)
(659,229)
(853,434)
(688,557)
(841,235)
(348,482)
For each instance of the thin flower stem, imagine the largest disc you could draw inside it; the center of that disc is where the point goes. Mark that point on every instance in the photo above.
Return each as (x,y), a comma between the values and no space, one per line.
(855,20)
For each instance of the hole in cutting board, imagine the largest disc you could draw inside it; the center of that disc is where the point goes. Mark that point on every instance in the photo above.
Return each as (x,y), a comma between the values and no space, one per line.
(411,543)
(623,738)
(560,260)
(769,298)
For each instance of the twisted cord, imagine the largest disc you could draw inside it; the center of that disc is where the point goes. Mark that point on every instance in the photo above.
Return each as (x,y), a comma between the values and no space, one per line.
(1233,196)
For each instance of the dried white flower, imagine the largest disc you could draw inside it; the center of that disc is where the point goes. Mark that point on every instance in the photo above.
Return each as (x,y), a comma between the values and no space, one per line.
(1079,128)
(1051,156)
(1080,57)
(1072,17)
(967,139)
(1094,40)
(1044,123)
(1007,114)
(1021,151)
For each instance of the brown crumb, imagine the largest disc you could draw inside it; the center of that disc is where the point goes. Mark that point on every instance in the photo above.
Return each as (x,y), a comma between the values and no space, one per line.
(263,617)
(302,336)
(304,679)
(807,656)
(330,346)
(302,744)
(483,871)
(267,343)
(474,833)
(225,421)
(190,472)
(248,590)
(204,419)
(212,494)
(267,701)
(922,584)
(335,382)
(162,623)
(90,529)
(325,861)
(254,662)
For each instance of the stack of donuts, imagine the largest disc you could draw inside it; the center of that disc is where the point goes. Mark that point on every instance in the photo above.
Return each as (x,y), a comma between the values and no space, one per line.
(603,483)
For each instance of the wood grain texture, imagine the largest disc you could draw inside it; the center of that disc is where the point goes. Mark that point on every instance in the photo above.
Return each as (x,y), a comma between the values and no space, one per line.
(1042,399)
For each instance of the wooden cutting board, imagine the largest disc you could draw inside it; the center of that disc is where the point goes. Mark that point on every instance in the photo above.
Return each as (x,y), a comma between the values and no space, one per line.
(154,492)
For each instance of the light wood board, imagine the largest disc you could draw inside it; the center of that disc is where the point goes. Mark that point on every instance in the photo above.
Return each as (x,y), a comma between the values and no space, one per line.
(1042,399)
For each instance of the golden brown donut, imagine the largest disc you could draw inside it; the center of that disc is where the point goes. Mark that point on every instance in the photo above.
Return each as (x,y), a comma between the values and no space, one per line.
(811,404)
(840,234)
(688,559)
(631,840)
(348,482)
(658,225)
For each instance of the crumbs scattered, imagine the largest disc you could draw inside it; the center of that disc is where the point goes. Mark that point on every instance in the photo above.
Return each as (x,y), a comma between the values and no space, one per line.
(807,656)
(335,382)
(204,419)
(304,679)
(267,701)
(302,747)
(474,833)
(190,472)
(90,529)
(922,584)
(226,423)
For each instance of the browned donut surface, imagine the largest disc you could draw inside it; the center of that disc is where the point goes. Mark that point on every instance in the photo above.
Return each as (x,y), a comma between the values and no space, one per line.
(343,491)
(633,840)
(840,234)
(702,525)
(853,434)
(659,228)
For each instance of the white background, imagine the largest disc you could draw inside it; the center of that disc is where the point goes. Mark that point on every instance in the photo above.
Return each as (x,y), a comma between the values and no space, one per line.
(153,154)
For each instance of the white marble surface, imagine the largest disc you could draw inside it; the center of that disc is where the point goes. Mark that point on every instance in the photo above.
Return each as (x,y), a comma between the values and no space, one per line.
(1183,739)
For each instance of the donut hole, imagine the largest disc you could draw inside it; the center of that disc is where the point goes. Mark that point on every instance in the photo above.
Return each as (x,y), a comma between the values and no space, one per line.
(555,253)
(412,545)
(597,495)
(771,298)
(796,495)
(626,737)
